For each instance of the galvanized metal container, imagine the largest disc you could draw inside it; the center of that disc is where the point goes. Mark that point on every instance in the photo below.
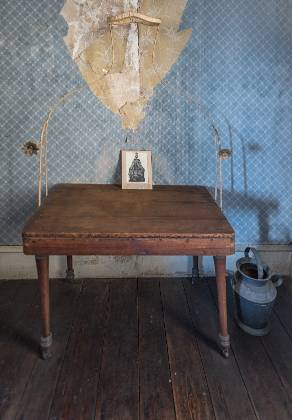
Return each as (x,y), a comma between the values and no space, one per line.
(255,294)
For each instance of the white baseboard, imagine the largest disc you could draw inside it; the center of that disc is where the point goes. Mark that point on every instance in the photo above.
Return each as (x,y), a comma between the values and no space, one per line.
(15,265)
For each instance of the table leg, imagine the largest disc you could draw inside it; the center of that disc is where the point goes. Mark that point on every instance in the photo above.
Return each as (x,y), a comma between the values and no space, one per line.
(195,270)
(43,280)
(220,268)
(70,270)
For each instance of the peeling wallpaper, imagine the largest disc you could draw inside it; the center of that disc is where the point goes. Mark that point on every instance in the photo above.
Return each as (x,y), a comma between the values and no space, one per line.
(237,65)
(122,64)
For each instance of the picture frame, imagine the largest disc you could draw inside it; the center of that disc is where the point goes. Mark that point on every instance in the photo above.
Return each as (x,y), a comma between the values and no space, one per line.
(137,169)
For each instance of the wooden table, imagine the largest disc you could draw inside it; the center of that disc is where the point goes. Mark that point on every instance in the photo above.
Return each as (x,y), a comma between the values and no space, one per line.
(78,219)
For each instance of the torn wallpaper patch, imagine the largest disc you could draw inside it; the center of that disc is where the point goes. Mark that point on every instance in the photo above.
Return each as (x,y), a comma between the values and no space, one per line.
(124,48)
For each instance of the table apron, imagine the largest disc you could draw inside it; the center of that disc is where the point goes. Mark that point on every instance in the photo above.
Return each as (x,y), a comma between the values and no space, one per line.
(129,246)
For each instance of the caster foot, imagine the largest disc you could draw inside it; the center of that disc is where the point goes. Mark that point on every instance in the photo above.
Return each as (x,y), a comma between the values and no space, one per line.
(225,352)
(46,347)
(225,345)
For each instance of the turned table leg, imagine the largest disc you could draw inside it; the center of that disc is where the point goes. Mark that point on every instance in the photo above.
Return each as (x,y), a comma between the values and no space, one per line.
(43,280)
(220,268)
(70,270)
(195,270)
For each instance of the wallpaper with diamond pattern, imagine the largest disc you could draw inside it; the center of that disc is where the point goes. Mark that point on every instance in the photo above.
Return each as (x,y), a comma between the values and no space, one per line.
(238,66)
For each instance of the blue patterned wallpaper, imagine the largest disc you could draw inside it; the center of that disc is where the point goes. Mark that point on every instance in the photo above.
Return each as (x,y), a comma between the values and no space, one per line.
(238,64)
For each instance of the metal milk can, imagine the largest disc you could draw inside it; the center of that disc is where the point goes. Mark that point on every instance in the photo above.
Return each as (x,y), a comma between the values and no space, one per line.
(254,292)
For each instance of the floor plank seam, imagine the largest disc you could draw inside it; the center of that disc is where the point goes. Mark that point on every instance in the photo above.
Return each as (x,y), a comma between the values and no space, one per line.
(275,369)
(198,347)
(235,357)
(245,385)
(166,342)
(287,288)
(282,323)
(34,302)
(66,346)
(102,346)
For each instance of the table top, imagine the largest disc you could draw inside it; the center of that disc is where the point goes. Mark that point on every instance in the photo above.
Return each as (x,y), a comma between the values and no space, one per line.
(88,211)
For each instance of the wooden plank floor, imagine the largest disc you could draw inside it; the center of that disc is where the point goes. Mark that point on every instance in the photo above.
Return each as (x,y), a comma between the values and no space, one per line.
(139,349)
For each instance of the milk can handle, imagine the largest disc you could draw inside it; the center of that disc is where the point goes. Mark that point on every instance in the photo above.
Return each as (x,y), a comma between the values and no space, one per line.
(258,260)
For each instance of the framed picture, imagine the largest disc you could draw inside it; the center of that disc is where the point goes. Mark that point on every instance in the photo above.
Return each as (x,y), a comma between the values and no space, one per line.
(136,169)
